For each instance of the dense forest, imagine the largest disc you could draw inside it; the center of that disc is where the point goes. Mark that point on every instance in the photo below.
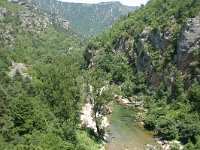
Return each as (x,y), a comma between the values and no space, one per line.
(40,103)
(48,73)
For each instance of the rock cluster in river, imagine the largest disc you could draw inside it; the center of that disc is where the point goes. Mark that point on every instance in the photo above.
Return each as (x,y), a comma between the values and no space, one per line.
(129,101)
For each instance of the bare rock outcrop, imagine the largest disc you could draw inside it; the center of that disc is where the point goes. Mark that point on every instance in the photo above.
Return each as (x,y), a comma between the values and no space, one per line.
(3,11)
(160,40)
(141,48)
(64,23)
(87,118)
(18,68)
(188,42)
(141,43)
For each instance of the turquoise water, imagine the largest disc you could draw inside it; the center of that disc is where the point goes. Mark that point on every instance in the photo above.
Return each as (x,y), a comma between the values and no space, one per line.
(125,132)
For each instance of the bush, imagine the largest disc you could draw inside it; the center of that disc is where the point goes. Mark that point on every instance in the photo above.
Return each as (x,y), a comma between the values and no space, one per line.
(166,128)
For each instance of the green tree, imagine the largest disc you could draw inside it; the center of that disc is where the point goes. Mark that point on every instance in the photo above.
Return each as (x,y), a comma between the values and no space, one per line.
(100,94)
(194,96)
(177,88)
(62,92)
(166,128)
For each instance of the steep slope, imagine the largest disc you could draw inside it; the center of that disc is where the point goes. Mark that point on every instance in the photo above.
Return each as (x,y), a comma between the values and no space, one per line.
(87,19)
(40,67)
(154,53)
(150,56)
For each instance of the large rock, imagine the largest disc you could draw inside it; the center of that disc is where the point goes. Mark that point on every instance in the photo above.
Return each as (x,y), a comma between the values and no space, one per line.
(142,48)
(188,42)
(160,40)
(19,68)
(64,23)
(141,43)
(3,11)
(151,147)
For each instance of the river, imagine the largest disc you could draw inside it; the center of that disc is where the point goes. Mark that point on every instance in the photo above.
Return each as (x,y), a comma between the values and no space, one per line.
(125,132)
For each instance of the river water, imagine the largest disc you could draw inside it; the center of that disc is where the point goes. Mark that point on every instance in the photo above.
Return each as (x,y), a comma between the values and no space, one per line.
(125,132)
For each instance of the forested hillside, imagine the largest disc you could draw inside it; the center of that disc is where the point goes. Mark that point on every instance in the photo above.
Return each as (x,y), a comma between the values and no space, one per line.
(153,55)
(40,67)
(86,19)
(48,74)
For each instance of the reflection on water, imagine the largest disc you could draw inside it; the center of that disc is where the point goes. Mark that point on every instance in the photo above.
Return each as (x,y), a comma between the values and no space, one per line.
(125,132)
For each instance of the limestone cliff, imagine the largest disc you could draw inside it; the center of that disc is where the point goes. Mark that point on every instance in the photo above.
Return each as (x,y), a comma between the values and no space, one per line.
(158,44)
(188,42)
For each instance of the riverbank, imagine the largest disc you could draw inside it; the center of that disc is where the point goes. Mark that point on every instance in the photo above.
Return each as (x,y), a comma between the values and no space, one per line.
(167,145)
(87,119)
(125,133)
(163,144)
(124,128)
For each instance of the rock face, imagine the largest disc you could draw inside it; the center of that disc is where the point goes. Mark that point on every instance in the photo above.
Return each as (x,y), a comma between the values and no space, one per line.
(160,40)
(141,49)
(188,42)
(152,40)
(157,38)
(141,45)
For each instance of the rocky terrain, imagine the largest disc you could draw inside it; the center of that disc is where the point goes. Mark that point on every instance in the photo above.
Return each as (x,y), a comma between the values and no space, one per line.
(52,80)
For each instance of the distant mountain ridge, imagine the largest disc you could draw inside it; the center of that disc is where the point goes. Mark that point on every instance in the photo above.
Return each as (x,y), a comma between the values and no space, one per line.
(86,19)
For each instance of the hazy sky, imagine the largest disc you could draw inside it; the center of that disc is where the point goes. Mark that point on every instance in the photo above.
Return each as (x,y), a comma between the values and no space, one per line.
(125,2)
